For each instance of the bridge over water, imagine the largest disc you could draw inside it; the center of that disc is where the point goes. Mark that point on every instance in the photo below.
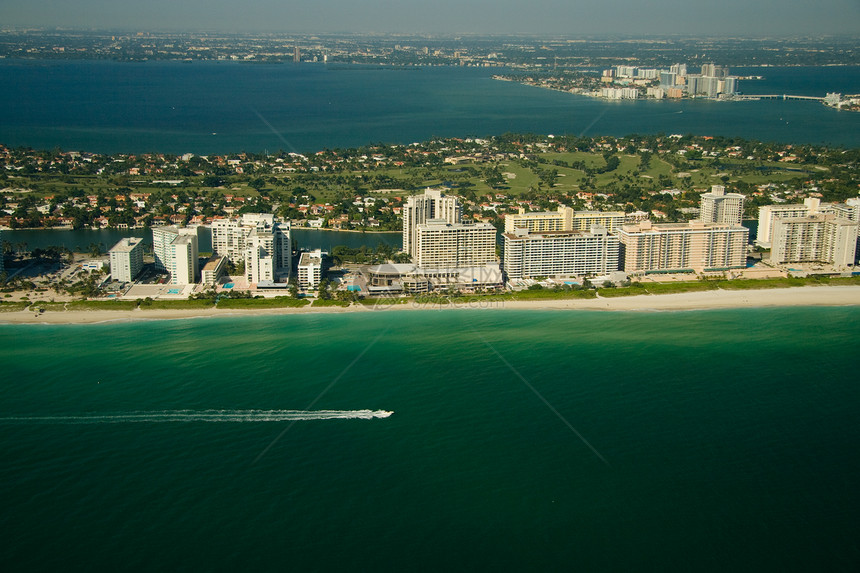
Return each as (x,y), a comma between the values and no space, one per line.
(780,96)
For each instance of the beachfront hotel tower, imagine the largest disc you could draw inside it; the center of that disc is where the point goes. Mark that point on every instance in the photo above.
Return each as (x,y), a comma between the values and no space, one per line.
(717,206)
(559,253)
(440,244)
(419,209)
(126,259)
(682,247)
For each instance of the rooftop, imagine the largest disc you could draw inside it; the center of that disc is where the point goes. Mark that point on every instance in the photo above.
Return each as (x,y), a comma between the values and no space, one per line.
(126,245)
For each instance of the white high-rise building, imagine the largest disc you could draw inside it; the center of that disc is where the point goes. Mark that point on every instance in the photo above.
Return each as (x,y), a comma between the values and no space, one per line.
(419,209)
(230,236)
(126,259)
(183,260)
(717,206)
(822,238)
(693,246)
(176,251)
(668,79)
(310,268)
(268,253)
(560,253)
(440,244)
(849,210)
(767,214)
(679,69)
(258,239)
(730,85)
(228,239)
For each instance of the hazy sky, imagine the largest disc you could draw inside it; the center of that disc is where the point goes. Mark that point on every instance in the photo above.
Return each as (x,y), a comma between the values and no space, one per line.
(576,17)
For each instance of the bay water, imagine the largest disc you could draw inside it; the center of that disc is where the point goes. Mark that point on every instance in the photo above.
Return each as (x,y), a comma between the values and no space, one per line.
(228,107)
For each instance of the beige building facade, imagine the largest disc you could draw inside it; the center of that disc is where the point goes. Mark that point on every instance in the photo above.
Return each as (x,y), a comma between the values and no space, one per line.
(694,246)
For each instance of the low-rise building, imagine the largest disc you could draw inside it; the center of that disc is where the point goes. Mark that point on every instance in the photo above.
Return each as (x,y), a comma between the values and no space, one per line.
(407,278)
(213,270)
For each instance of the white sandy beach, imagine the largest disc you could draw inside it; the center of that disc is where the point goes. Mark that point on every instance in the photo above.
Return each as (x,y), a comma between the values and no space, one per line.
(796,296)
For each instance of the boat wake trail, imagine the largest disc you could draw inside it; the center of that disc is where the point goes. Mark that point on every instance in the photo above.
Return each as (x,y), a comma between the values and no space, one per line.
(157,417)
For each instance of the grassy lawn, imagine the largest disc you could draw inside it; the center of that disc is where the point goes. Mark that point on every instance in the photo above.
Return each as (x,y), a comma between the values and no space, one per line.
(787,282)
(320,302)
(549,294)
(13,306)
(844,281)
(102,305)
(384,302)
(619,292)
(45,305)
(176,304)
(669,288)
(277,302)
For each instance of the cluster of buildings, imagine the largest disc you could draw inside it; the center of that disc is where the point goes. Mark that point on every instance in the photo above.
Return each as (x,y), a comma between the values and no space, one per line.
(810,232)
(713,81)
(583,243)
(448,253)
(445,251)
(260,242)
(590,243)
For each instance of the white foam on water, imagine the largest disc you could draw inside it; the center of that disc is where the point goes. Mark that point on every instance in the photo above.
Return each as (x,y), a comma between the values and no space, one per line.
(155,417)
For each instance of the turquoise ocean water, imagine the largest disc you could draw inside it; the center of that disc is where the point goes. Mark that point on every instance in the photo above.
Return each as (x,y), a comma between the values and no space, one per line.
(716,440)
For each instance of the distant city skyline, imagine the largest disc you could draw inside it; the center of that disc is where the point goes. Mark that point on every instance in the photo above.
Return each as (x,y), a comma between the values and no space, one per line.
(728,18)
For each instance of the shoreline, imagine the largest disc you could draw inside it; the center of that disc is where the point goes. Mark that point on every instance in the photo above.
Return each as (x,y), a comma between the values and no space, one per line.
(691,301)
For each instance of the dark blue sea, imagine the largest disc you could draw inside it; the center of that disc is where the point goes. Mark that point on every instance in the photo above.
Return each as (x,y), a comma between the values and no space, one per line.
(222,107)
(519,441)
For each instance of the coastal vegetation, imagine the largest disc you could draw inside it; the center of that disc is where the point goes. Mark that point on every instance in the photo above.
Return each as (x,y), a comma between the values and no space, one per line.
(363,188)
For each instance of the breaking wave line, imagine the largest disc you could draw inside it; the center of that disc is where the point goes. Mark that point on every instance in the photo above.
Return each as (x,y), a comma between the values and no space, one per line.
(156,417)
